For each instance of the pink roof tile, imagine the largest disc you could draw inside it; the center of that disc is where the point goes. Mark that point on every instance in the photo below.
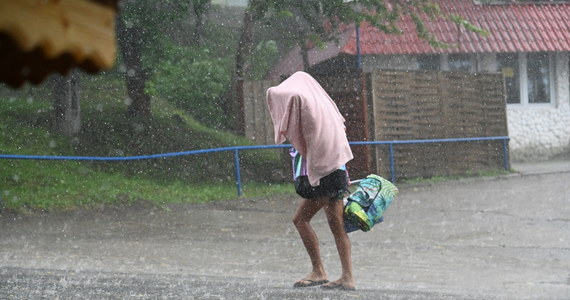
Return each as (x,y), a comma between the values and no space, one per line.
(522,27)
(511,27)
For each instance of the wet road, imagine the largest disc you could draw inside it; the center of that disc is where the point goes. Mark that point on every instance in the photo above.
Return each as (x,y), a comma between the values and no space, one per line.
(506,237)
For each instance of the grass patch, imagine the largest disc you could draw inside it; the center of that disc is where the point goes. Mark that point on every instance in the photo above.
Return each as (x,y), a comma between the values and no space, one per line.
(30,185)
(54,185)
(107,132)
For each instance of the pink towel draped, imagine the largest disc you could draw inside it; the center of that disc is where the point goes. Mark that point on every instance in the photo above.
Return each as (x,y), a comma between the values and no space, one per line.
(304,113)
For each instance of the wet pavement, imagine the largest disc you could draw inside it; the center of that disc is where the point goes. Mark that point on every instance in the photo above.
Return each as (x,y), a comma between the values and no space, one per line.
(502,237)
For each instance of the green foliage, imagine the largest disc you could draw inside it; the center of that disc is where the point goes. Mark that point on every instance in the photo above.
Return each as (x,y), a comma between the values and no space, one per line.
(24,128)
(25,122)
(106,132)
(153,13)
(154,17)
(191,77)
(193,81)
(262,59)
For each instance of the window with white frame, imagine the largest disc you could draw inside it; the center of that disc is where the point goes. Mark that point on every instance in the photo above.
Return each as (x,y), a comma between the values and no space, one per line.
(538,77)
(528,77)
(508,65)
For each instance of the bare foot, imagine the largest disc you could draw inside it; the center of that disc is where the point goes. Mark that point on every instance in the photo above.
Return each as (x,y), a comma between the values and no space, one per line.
(339,285)
(312,279)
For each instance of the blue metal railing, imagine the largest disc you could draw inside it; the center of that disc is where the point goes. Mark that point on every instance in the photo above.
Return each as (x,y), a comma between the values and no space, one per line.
(236,149)
(503,139)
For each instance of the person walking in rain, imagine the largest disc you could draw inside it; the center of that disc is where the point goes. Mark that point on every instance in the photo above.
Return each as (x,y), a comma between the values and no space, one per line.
(305,115)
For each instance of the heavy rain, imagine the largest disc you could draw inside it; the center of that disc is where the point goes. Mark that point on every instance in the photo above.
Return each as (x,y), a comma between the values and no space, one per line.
(157,149)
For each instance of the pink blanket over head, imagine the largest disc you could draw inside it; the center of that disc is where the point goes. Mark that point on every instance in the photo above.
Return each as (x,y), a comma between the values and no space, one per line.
(303,113)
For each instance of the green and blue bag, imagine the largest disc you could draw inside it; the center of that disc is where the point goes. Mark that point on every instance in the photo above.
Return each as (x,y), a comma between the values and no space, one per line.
(365,207)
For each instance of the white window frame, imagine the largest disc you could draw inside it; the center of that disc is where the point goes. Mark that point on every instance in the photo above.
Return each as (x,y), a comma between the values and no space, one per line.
(523,82)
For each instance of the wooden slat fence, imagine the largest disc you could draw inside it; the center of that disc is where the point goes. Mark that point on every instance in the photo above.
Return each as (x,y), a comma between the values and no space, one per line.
(257,121)
(407,105)
(434,105)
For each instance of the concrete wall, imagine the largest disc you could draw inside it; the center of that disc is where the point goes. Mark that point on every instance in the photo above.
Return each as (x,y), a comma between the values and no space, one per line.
(388,62)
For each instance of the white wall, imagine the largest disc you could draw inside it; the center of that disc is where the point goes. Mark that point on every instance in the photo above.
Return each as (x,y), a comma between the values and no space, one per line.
(540,132)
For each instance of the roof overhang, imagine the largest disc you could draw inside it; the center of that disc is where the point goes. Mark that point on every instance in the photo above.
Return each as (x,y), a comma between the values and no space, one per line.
(39,37)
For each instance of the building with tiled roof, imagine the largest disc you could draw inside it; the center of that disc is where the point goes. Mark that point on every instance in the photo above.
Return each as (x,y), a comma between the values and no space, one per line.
(527,41)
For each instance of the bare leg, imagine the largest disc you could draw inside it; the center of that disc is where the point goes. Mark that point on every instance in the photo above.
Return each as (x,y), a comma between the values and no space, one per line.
(305,212)
(335,217)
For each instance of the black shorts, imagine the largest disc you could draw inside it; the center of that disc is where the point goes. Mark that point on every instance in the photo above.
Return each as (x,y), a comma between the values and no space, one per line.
(333,185)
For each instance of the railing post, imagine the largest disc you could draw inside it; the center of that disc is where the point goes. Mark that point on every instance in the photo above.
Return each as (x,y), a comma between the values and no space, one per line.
(505,154)
(392,164)
(238,172)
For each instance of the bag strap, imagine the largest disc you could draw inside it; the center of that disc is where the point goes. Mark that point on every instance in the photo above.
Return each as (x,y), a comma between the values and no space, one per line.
(298,165)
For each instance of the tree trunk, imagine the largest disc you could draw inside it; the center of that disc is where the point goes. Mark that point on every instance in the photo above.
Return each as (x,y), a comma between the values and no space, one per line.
(201,9)
(235,108)
(66,104)
(305,56)
(131,47)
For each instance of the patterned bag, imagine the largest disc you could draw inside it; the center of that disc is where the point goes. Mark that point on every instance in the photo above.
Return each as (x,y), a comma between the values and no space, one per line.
(365,207)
